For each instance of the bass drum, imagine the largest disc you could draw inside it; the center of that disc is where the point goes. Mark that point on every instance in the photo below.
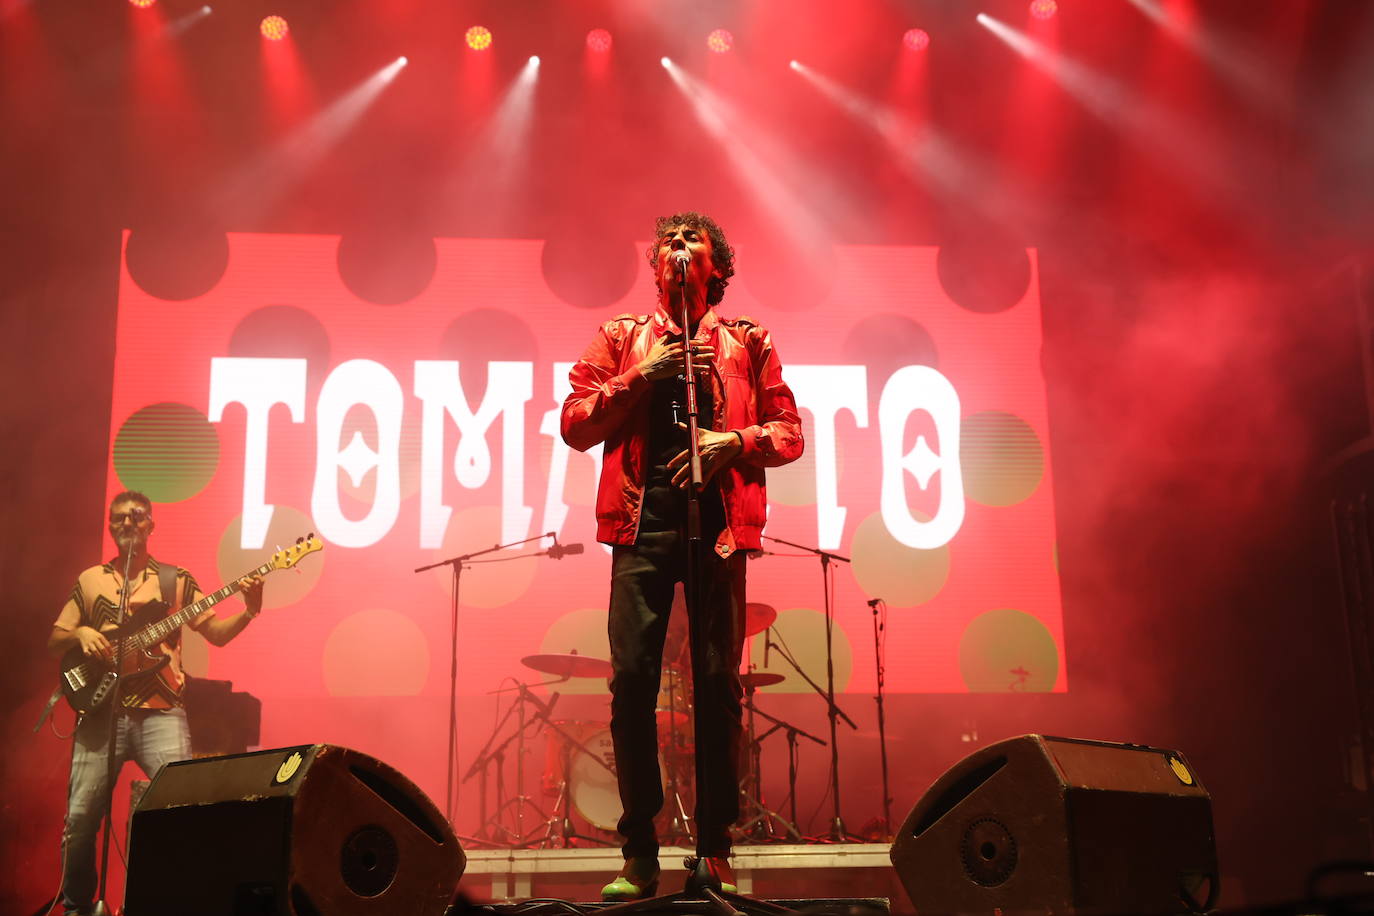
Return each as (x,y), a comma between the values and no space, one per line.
(592,787)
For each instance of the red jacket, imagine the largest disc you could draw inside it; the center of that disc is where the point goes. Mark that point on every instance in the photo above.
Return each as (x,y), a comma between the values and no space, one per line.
(610,403)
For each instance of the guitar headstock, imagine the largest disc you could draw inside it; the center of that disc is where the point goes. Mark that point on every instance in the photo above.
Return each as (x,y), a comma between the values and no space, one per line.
(288,557)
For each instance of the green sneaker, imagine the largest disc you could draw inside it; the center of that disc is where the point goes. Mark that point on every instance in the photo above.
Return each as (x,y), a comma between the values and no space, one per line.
(637,879)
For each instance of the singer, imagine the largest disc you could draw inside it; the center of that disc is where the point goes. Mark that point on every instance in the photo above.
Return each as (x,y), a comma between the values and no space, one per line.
(628,392)
(151,724)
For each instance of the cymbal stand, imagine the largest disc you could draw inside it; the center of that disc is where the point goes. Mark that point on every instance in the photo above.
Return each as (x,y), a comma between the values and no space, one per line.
(457,564)
(837,833)
(760,827)
(559,830)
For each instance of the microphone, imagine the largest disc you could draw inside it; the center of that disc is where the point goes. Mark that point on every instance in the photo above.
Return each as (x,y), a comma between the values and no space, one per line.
(682,259)
(559,551)
(874,602)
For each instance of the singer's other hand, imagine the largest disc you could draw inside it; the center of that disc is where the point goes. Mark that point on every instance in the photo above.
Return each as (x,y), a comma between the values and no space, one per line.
(666,358)
(717,450)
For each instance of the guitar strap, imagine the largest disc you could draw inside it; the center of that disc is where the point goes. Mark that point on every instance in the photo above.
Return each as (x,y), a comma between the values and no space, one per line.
(167,580)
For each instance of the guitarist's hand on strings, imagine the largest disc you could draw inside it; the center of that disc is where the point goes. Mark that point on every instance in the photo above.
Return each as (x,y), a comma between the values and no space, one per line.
(251,588)
(93,643)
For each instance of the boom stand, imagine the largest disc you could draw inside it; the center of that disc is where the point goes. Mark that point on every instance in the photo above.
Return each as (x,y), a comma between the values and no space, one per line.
(457,563)
(879,656)
(760,827)
(489,755)
(837,832)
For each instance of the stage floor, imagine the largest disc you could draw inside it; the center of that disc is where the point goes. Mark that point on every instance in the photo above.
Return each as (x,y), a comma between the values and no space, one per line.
(790,871)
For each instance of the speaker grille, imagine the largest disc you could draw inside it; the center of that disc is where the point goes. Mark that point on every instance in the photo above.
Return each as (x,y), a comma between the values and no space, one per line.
(369,861)
(988,852)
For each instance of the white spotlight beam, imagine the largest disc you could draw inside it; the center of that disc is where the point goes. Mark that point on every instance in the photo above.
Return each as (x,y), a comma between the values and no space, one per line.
(1186,144)
(269,174)
(763,164)
(927,156)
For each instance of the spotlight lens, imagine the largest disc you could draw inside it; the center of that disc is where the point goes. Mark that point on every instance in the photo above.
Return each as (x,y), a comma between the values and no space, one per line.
(534,60)
(1043,9)
(794,65)
(274,28)
(916,39)
(665,62)
(143,4)
(720,41)
(403,60)
(478,38)
(599,40)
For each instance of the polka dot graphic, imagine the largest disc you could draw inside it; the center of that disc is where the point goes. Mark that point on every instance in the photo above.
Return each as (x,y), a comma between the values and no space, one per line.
(283,332)
(802,632)
(375,653)
(886,343)
(177,263)
(1001,457)
(386,267)
(565,261)
(800,272)
(485,584)
(281,589)
(794,484)
(1008,650)
(902,575)
(169,451)
(984,274)
(584,632)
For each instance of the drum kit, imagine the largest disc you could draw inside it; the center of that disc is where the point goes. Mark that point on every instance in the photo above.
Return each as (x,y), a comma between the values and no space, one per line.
(579,761)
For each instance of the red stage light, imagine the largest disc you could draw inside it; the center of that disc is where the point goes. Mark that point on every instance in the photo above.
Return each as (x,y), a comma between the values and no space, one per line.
(274,28)
(720,41)
(478,38)
(143,4)
(1043,9)
(599,40)
(916,39)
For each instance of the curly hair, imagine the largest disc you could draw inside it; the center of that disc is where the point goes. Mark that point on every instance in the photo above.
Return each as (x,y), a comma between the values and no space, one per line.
(722,255)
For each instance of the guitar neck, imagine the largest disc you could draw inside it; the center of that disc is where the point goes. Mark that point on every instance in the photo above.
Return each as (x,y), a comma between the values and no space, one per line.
(155,633)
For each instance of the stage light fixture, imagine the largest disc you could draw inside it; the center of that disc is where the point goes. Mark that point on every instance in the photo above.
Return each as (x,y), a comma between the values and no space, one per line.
(403,60)
(794,65)
(1043,9)
(916,39)
(534,60)
(599,40)
(142,4)
(274,28)
(665,62)
(720,41)
(478,38)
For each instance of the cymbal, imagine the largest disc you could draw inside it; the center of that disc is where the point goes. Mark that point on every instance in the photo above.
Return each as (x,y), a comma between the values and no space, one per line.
(758,617)
(572,665)
(761,678)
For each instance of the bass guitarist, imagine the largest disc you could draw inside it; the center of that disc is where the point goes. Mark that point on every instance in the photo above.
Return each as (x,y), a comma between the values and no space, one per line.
(150,726)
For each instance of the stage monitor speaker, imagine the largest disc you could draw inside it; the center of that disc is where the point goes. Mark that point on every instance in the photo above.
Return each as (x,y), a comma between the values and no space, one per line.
(1058,825)
(317,830)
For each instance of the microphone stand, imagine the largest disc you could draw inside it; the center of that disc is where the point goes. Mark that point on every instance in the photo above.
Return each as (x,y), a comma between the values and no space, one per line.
(112,725)
(457,564)
(879,657)
(838,834)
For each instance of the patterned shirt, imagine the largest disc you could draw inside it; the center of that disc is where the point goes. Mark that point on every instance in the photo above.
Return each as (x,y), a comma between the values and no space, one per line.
(94,602)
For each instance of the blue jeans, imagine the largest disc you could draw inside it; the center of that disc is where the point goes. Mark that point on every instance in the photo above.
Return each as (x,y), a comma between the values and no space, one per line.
(151,737)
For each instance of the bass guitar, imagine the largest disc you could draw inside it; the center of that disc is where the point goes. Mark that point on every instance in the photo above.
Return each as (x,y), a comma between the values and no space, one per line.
(88,683)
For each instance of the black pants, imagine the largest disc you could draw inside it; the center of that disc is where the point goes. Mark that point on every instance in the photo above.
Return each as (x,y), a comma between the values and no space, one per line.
(642,580)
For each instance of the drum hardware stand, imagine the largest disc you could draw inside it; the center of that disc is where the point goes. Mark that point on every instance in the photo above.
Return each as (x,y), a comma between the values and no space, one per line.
(558,829)
(680,827)
(837,833)
(488,755)
(457,564)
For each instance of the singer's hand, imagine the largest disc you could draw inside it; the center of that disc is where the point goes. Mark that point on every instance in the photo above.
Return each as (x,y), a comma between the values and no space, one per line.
(666,359)
(717,450)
